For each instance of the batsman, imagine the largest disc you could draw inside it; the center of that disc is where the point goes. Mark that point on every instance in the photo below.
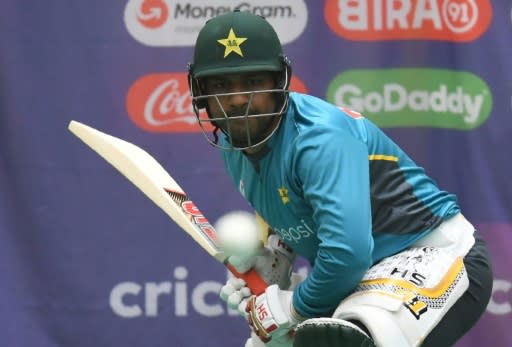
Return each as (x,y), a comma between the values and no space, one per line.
(394,263)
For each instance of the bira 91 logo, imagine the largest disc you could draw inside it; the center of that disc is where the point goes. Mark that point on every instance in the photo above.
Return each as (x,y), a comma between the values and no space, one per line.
(414,97)
(162,103)
(374,20)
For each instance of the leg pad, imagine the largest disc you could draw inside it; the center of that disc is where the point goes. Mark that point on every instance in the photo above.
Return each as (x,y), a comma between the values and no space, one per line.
(330,332)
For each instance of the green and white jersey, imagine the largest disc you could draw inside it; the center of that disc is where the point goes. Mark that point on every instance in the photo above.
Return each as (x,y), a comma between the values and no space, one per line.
(339,192)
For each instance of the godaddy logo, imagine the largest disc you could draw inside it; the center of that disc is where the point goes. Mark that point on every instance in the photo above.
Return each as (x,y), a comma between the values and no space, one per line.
(414,97)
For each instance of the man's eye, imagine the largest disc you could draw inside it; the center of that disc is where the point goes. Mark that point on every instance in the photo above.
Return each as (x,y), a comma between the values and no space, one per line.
(254,82)
(216,85)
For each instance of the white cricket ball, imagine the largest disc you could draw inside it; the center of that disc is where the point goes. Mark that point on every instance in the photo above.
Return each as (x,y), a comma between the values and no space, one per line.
(239,233)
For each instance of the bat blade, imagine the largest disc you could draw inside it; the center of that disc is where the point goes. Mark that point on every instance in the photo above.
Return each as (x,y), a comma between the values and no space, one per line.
(144,171)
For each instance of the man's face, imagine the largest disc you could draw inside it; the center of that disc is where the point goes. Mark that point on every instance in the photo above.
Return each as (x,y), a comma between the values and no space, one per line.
(242,102)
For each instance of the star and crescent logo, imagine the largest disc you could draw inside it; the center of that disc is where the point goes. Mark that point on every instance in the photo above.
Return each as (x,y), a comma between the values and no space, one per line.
(232,43)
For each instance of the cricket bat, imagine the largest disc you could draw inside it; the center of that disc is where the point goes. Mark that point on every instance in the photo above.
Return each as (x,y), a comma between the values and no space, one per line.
(140,168)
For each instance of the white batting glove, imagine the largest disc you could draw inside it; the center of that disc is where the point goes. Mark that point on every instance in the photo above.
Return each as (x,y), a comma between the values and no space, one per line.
(273,263)
(281,341)
(235,294)
(271,315)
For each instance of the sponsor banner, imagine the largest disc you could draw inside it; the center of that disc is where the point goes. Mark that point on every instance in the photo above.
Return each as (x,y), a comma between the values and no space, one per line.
(412,97)
(132,300)
(177,297)
(498,314)
(169,23)
(161,102)
(374,20)
(86,259)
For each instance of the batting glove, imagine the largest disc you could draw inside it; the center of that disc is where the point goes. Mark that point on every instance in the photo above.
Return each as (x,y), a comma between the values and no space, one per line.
(235,294)
(274,263)
(271,314)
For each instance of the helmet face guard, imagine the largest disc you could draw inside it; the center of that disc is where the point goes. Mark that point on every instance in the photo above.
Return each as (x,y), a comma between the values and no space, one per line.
(237,43)
(224,120)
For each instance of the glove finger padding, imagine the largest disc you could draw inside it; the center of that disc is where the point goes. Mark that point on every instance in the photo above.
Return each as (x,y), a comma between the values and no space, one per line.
(242,264)
(235,294)
(238,300)
(232,285)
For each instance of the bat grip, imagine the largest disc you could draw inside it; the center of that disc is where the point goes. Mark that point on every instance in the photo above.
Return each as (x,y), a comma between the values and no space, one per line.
(254,281)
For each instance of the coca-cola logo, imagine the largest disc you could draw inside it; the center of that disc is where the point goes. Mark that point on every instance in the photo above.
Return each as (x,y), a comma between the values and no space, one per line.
(162,103)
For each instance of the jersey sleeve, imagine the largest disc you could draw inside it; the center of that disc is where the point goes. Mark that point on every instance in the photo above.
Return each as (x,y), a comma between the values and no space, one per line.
(332,169)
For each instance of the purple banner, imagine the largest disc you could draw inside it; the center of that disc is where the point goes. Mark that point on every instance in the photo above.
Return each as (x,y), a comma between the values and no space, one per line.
(87,260)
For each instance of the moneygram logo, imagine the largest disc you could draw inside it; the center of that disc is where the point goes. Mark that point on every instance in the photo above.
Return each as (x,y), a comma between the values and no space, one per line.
(414,97)
(176,23)
(444,20)
(152,13)
(162,103)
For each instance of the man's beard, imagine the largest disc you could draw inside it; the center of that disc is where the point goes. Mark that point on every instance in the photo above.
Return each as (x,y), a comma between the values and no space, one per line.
(241,135)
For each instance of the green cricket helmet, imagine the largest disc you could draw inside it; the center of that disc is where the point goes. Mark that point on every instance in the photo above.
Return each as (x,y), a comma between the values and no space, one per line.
(236,43)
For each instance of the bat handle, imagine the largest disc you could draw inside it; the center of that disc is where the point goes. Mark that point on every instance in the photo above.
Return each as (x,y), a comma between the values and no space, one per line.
(252,278)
